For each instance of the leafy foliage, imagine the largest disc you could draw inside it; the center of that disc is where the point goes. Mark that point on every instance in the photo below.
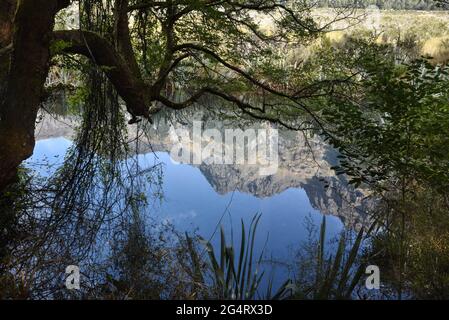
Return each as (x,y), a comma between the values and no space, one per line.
(385,4)
(235,276)
(331,276)
(397,128)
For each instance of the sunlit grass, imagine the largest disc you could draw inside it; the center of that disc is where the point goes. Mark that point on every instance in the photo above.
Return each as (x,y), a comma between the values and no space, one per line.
(426,30)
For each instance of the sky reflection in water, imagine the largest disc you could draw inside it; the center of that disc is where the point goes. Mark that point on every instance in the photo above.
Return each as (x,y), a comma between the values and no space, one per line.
(191,204)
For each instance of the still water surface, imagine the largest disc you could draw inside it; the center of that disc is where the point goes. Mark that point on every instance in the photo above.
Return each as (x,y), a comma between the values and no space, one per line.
(202,197)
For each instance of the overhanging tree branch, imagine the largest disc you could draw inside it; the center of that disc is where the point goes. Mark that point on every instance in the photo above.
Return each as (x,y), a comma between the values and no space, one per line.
(123,37)
(258,83)
(246,108)
(128,85)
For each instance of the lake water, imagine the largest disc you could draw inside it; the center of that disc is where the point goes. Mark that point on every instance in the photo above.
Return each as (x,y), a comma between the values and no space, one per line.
(202,197)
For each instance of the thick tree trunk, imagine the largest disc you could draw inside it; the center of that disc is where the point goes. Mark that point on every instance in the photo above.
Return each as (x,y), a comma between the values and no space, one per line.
(32,30)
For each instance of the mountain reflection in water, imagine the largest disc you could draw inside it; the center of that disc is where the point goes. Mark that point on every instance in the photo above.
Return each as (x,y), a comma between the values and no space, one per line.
(200,197)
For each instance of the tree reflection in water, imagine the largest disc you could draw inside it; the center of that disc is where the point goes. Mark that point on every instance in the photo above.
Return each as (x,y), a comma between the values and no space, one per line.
(92,211)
